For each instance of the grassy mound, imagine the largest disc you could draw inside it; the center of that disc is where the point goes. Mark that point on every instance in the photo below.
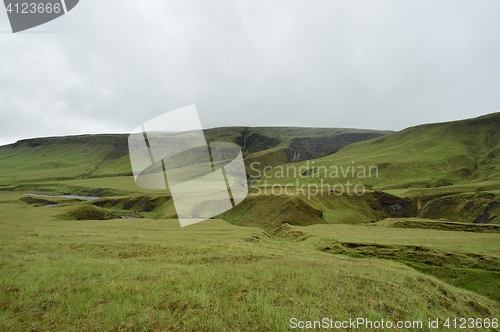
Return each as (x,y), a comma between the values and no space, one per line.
(37,202)
(478,208)
(88,212)
(154,207)
(154,275)
(272,211)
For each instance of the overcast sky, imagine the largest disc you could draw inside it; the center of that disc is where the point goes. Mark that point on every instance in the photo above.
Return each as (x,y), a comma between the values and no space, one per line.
(111,65)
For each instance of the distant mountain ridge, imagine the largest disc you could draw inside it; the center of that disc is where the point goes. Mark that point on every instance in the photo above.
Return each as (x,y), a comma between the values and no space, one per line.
(107,154)
(429,155)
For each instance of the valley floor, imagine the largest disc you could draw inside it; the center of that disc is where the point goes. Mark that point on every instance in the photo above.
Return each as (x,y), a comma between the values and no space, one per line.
(152,275)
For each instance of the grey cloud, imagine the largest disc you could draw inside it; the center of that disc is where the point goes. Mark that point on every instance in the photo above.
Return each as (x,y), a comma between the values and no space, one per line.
(385,65)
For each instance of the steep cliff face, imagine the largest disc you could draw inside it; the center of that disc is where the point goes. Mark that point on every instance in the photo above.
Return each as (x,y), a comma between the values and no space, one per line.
(255,142)
(268,146)
(306,148)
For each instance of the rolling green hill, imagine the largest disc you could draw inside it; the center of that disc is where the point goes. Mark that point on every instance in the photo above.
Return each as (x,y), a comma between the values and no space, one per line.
(449,170)
(53,158)
(425,156)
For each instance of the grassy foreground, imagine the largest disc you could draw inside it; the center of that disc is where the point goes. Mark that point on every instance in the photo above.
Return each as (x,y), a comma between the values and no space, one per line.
(152,275)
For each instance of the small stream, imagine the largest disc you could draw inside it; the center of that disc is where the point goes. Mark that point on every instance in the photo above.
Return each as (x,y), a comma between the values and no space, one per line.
(81,198)
(47,206)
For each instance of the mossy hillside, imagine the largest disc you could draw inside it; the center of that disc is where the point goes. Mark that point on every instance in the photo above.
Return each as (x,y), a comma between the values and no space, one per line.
(59,157)
(433,155)
(448,170)
(480,208)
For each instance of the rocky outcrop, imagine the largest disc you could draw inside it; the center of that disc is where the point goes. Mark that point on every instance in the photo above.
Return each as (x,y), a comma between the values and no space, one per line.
(307,148)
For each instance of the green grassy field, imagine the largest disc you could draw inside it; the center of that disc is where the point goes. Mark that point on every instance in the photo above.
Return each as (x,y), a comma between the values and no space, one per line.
(150,274)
